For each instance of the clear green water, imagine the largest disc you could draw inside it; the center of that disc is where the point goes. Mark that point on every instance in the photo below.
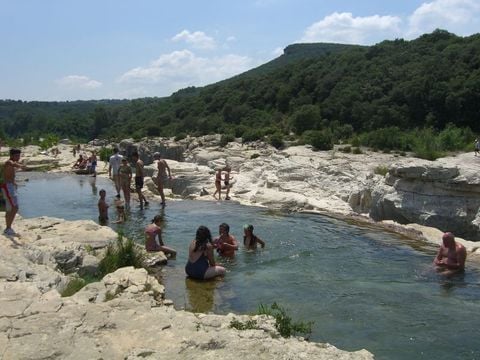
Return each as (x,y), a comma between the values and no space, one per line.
(364,288)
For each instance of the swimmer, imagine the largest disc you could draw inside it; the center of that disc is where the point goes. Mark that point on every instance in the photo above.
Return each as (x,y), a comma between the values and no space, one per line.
(250,241)
(225,243)
(153,238)
(201,261)
(218,184)
(451,256)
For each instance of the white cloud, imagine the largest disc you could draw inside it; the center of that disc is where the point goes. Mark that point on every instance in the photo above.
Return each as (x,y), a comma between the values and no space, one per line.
(347,29)
(197,39)
(231,39)
(461,17)
(183,68)
(277,52)
(78,82)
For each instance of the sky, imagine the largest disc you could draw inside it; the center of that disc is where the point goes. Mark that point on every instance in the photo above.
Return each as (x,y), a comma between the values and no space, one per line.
(59,50)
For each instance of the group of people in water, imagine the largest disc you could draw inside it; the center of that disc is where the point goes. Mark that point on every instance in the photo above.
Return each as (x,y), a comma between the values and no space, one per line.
(88,164)
(201,259)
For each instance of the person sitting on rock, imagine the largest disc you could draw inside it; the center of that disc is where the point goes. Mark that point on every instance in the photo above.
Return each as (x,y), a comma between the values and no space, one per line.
(81,163)
(250,241)
(451,256)
(153,238)
(201,261)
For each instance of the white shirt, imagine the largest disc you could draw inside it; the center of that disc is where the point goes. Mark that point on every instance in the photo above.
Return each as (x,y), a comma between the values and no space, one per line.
(115,161)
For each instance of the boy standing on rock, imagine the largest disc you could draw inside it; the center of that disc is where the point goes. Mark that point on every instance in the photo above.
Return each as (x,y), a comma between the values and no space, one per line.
(9,189)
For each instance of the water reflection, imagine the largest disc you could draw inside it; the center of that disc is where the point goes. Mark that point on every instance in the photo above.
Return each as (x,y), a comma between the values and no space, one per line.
(200,295)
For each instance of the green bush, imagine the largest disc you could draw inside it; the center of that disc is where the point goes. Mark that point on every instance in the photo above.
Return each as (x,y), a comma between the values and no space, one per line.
(357,151)
(284,323)
(123,253)
(105,153)
(225,139)
(319,139)
(180,136)
(381,170)
(452,138)
(247,325)
(426,145)
(276,140)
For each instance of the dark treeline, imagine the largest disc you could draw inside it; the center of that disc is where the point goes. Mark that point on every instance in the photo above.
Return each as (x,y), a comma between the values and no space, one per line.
(321,93)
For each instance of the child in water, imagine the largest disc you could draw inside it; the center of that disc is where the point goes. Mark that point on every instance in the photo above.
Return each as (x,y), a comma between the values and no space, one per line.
(121,216)
(250,241)
(102,208)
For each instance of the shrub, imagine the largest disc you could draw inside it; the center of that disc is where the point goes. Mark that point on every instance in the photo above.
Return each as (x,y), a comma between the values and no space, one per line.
(426,145)
(77,283)
(284,323)
(319,139)
(452,138)
(225,139)
(180,136)
(123,253)
(357,151)
(346,149)
(276,140)
(381,170)
(105,153)
(248,325)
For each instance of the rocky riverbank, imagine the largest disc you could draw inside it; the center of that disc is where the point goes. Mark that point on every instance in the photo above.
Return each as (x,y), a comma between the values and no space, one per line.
(126,316)
(123,316)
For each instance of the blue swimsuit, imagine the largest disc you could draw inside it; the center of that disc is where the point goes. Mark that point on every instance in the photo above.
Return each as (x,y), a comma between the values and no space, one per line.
(198,268)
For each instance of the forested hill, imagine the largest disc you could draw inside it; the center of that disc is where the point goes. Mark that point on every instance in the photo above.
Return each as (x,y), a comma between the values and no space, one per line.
(427,82)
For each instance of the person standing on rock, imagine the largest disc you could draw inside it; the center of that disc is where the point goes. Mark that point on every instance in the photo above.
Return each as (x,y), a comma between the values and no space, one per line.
(476,144)
(9,189)
(218,184)
(201,261)
(451,256)
(139,176)
(162,177)
(113,165)
(225,243)
(226,181)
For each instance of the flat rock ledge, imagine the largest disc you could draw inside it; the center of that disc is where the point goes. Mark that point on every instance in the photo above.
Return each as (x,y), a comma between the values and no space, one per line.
(123,316)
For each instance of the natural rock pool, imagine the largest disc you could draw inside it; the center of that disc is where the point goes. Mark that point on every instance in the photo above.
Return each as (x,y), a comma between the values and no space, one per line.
(363,287)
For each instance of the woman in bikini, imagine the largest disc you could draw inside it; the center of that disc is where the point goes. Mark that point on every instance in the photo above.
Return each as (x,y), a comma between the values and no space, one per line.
(153,238)
(201,261)
(218,184)
(250,241)
(125,177)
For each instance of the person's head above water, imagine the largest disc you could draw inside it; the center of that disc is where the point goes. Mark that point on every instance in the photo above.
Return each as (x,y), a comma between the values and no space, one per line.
(224,228)
(248,227)
(157,219)
(448,239)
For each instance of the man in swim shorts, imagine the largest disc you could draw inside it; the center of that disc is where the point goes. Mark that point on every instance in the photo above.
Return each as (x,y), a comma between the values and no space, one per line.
(9,189)
(452,255)
(139,175)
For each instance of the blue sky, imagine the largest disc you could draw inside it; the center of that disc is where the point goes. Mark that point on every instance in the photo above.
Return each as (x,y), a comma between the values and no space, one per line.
(56,50)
